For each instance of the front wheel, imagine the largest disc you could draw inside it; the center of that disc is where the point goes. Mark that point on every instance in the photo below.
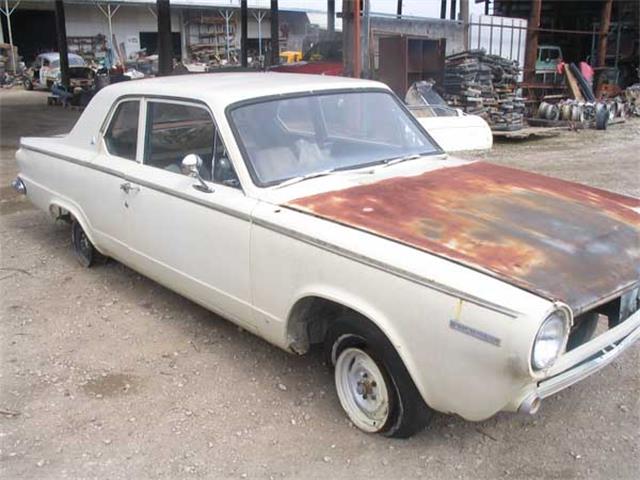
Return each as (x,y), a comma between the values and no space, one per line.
(372,383)
(363,390)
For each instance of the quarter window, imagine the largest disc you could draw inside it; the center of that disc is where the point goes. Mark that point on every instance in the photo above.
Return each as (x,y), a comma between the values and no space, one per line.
(121,138)
(177,130)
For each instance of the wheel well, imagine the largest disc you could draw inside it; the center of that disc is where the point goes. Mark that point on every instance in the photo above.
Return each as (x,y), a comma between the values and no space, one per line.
(60,213)
(309,320)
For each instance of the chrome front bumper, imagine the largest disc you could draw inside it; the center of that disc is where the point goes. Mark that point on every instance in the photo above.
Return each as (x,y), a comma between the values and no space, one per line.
(590,357)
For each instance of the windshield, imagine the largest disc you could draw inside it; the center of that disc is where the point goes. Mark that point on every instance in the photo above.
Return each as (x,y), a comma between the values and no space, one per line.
(73,62)
(301,136)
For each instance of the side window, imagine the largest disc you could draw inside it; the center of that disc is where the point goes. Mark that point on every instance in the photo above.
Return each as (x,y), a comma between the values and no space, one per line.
(177,130)
(121,138)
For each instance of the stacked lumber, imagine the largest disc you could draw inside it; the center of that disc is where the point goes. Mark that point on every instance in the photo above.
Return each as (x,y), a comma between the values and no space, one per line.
(485,85)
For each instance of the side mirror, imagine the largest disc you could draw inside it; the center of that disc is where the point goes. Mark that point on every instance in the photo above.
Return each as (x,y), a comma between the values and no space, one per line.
(191,166)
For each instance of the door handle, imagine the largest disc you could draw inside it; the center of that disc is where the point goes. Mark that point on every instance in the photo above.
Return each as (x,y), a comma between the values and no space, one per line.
(126,187)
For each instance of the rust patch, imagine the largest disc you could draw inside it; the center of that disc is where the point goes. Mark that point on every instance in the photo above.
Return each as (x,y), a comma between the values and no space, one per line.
(559,239)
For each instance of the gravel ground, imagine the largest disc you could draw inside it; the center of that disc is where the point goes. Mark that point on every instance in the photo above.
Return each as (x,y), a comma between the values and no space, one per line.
(106,374)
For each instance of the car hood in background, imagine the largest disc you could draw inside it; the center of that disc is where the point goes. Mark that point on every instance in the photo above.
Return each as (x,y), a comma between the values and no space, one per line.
(458,133)
(560,240)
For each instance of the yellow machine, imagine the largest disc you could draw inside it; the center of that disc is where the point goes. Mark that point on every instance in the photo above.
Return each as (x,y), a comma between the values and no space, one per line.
(290,56)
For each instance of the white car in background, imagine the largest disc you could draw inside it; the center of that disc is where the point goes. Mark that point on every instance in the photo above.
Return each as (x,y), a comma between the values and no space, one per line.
(316,210)
(454,130)
(45,72)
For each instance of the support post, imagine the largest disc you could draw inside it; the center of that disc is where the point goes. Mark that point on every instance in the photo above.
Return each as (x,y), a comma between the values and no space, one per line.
(7,13)
(259,16)
(331,17)
(109,13)
(443,9)
(365,56)
(165,45)
(61,35)
(531,53)
(357,61)
(110,17)
(605,23)
(452,12)
(244,14)
(399,9)
(347,38)
(464,16)
(227,15)
(275,33)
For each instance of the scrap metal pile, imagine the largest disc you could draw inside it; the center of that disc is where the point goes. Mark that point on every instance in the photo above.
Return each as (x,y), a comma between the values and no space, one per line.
(7,58)
(584,108)
(485,85)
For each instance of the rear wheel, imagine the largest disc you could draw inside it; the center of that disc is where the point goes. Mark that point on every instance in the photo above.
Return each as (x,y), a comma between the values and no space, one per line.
(28,84)
(84,250)
(373,385)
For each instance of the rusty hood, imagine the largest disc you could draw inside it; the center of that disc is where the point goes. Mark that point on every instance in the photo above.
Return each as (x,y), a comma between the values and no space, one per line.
(560,240)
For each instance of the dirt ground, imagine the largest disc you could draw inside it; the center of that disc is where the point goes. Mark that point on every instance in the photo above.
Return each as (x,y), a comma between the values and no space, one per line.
(106,374)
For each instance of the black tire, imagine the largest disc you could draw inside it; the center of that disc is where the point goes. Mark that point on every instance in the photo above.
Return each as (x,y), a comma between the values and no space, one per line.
(84,250)
(27,84)
(602,118)
(408,413)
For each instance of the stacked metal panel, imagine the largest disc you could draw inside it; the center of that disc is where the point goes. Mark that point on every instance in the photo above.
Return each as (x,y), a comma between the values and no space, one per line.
(485,85)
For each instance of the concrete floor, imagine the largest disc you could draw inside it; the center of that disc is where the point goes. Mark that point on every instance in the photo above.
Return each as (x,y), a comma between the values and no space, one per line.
(106,374)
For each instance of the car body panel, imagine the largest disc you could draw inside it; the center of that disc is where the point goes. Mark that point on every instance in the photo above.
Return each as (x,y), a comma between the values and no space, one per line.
(558,239)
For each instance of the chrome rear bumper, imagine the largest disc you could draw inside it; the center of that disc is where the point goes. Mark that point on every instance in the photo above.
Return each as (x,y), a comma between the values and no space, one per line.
(18,185)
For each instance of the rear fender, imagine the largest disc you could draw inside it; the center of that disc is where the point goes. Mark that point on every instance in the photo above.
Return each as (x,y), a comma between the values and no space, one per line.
(60,209)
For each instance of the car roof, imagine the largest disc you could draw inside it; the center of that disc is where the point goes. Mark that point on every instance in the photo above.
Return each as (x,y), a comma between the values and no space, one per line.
(217,90)
(56,56)
(222,89)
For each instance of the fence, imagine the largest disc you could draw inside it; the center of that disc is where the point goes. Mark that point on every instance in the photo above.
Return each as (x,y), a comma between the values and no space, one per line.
(502,36)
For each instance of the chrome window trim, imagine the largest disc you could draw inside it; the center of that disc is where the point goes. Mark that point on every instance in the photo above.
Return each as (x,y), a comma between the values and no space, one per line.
(109,120)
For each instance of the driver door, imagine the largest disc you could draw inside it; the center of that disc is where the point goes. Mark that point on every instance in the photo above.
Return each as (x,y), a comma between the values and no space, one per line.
(196,242)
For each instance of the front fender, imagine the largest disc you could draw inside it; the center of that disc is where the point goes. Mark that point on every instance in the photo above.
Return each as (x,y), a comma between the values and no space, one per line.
(374,314)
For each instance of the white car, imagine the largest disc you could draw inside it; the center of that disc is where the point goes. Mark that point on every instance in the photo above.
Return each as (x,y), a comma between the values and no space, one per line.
(451,128)
(45,72)
(316,210)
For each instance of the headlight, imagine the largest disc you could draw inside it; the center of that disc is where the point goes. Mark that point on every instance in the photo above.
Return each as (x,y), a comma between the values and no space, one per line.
(550,341)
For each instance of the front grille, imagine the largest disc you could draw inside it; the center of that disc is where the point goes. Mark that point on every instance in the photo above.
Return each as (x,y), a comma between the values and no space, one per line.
(604,317)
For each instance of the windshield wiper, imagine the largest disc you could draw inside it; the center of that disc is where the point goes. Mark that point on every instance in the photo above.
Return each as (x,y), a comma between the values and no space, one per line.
(357,168)
(308,176)
(394,160)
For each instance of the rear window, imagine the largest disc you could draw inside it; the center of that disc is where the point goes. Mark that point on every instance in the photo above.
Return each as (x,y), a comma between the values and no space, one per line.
(121,138)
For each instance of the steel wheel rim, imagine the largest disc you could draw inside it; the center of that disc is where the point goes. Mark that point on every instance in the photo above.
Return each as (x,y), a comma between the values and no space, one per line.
(84,244)
(362,390)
